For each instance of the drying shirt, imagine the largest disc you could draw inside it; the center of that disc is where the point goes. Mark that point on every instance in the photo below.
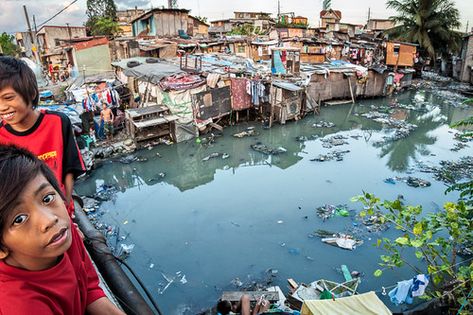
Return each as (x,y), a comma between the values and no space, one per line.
(52,140)
(66,288)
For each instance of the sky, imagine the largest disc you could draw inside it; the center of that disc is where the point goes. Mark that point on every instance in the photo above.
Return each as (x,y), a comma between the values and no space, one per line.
(12,18)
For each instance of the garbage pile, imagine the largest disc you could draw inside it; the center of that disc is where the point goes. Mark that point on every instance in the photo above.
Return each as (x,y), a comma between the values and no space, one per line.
(267,149)
(336,155)
(403,129)
(327,211)
(249,132)
(216,155)
(451,172)
(410,181)
(343,241)
(332,141)
(323,124)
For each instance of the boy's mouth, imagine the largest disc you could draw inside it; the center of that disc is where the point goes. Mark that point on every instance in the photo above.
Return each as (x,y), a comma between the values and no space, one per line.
(8,116)
(58,238)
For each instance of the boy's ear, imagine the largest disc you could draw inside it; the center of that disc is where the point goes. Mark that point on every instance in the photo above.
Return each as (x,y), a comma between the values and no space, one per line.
(3,252)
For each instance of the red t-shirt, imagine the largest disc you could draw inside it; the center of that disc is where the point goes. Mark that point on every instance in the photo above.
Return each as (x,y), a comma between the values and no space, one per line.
(66,288)
(52,140)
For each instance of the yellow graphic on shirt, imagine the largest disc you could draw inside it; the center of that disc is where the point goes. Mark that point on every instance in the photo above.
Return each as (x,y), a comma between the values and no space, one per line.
(48,155)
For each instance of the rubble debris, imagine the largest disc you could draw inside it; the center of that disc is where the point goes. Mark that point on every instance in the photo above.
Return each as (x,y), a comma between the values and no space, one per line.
(249,132)
(458,146)
(417,182)
(90,204)
(267,150)
(211,156)
(375,223)
(323,124)
(105,193)
(450,172)
(305,138)
(336,140)
(336,155)
(132,158)
(327,211)
(344,241)
(410,180)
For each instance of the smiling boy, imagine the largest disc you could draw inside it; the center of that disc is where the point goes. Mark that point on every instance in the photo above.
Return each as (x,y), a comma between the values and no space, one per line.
(47,134)
(44,268)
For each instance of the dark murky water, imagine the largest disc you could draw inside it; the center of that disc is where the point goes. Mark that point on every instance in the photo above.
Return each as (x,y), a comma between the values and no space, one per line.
(216,220)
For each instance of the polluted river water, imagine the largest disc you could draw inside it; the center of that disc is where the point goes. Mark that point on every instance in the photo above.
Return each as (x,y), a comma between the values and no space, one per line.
(203,225)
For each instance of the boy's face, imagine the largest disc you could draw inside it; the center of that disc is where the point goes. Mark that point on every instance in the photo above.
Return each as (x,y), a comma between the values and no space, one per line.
(38,231)
(13,108)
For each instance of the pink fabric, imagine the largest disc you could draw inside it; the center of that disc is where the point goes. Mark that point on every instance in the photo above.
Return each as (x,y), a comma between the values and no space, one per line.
(240,99)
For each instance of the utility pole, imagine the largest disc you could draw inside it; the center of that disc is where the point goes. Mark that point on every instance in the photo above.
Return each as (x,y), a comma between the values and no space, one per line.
(36,37)
(33,48)
(279,10)
(466,30)
(369,14)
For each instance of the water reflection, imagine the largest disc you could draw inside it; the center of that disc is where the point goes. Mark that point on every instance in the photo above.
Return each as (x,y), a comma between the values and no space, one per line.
(184,168)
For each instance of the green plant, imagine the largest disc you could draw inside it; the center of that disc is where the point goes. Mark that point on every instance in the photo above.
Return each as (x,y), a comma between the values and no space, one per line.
(434,239)
(7,45)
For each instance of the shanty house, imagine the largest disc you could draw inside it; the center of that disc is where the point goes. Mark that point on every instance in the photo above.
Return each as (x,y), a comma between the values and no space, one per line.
(124,18)
(379,24)
(400,54)
(50,37)
(162,22)
(197,27)
(330,17)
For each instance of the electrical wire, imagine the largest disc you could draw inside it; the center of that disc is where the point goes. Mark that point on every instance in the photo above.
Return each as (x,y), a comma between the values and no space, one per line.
(65,8)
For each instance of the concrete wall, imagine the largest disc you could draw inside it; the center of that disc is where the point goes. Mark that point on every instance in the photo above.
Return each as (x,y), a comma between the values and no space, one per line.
(51,33)
(467,56)
(95,59)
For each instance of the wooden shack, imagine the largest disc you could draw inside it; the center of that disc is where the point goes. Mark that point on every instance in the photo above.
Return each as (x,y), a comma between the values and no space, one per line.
(150,122)
(286,102)
(400,54)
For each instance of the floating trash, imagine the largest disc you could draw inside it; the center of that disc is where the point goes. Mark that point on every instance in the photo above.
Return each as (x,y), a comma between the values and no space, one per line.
(267,150)
(323,124)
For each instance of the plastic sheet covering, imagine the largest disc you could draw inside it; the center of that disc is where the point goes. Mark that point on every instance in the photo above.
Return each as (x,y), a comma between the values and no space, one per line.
(152,72)
(181,82)
(178,102)
(362,304)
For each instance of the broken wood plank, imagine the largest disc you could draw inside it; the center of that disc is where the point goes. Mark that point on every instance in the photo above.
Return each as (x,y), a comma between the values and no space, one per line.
(235,296)
(292,283)
(216,126)
(338,102)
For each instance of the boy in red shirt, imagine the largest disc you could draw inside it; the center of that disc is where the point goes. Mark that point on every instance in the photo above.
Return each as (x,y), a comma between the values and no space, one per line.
(44,268)
(47,134)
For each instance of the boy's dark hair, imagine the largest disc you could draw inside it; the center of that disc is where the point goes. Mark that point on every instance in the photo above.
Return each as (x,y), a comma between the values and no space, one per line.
(224,307)
(17,168)
(16,74)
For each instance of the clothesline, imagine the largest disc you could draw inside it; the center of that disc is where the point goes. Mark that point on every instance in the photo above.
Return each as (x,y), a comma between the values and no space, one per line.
(383,289)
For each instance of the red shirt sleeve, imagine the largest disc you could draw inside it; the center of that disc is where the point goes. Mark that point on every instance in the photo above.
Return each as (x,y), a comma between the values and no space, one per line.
(72,159)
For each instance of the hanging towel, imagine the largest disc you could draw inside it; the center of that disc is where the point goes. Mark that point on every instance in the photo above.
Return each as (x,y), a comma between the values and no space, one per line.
(420,284)
(402,293)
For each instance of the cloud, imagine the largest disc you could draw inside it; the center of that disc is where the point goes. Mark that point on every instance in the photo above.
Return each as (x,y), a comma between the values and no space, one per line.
(126,4)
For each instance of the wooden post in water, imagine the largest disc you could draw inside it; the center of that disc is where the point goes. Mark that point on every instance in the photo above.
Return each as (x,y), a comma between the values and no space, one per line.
(351,91)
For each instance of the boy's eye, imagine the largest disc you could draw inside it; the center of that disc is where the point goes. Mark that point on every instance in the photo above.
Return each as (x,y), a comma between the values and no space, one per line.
(19,219)
(48,198)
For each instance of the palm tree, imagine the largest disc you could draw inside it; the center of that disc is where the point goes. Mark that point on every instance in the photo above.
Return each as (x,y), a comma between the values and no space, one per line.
(430,23)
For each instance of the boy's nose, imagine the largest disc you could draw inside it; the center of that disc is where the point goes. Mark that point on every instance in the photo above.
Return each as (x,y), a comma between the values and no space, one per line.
(48,220)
